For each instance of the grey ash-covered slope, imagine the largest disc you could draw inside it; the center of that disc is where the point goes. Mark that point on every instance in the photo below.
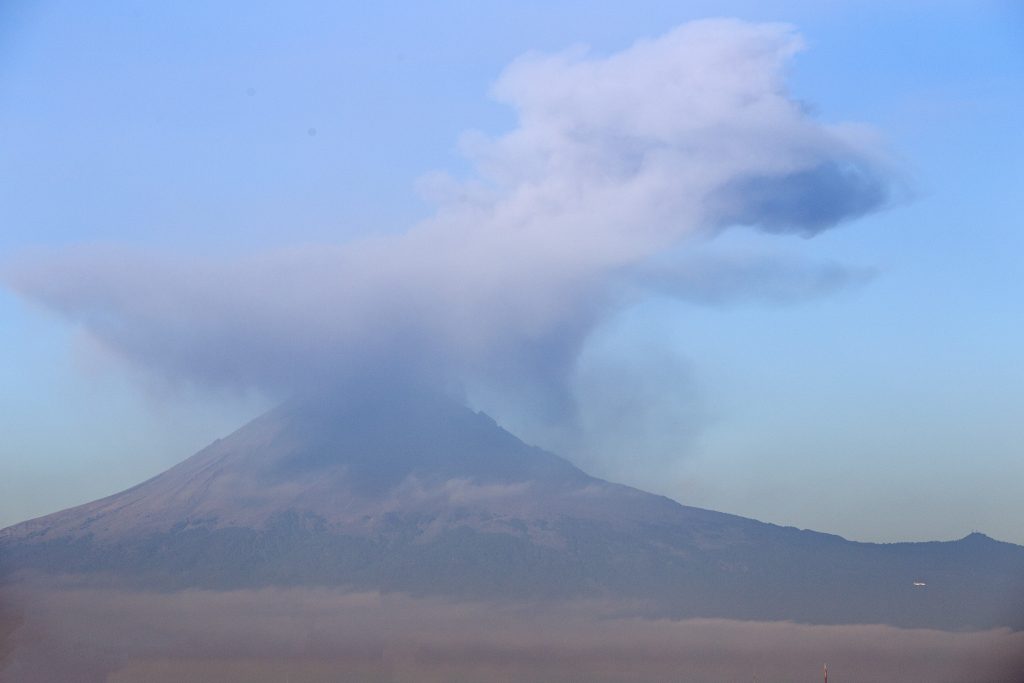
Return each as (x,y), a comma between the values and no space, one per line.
(416,493)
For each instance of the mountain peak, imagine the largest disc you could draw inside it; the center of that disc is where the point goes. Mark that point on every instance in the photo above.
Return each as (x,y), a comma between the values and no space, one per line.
(381,438)
(407,490)
(338,456)
(978,537)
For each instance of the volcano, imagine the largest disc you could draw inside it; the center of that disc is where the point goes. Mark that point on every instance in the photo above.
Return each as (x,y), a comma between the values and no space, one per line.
(415,493)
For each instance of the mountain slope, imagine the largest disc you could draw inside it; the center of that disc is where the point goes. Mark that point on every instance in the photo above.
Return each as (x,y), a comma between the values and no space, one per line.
(415,493)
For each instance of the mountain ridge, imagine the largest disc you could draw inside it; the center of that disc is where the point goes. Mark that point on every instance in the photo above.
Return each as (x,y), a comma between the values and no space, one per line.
(419,494)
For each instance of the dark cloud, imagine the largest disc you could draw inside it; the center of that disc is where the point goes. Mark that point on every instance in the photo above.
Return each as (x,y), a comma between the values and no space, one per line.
(718,279)
(804,202)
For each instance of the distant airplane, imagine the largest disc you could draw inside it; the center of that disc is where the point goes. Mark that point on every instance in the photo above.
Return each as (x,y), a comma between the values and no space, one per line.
(919,584)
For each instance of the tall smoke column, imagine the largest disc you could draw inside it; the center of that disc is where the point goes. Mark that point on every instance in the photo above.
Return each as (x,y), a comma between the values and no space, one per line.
(615,168)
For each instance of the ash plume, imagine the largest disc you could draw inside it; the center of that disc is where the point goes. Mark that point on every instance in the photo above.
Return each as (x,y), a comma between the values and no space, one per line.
(615,161)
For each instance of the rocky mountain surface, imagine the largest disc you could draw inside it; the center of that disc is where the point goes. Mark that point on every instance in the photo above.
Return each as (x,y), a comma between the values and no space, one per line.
(420,495)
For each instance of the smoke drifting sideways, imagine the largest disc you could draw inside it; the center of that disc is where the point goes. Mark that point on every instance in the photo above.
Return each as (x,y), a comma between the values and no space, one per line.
(615,162)
(311,634)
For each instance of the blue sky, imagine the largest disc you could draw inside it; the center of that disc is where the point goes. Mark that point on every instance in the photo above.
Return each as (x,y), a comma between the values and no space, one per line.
(884,409)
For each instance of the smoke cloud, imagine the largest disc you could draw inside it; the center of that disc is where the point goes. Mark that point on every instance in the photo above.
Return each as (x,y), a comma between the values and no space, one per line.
(615,162)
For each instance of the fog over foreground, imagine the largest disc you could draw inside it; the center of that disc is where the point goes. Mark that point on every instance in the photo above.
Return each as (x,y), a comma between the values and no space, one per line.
(73,633)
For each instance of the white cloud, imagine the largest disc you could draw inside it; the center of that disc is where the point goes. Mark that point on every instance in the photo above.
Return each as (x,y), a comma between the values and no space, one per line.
(614,160)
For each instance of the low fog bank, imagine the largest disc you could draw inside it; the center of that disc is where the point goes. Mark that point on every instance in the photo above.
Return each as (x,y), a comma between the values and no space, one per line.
(64,633)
